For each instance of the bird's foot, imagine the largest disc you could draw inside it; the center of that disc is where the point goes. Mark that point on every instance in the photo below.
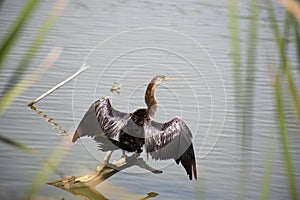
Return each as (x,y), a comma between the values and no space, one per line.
(141,163)
(107,158)
(124,156)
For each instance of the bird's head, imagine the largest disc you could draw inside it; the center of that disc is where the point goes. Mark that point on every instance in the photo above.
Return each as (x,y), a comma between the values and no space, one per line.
(159,79)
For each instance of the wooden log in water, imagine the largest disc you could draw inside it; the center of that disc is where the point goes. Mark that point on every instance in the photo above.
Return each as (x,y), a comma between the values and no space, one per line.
(75,184)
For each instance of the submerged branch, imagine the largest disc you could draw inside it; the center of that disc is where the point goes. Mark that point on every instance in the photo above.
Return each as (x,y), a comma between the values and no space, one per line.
(105,170)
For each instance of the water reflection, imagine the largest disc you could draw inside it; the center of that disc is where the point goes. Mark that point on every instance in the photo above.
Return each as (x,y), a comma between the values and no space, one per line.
(61,131)
(91,193)
(85,186)
(150,195)
(49,120)
(116,88)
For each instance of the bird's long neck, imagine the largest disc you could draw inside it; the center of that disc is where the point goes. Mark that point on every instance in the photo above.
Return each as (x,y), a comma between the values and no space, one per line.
(150,99)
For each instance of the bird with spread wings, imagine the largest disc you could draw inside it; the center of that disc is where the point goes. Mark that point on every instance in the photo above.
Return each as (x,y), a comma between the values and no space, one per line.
(132,132)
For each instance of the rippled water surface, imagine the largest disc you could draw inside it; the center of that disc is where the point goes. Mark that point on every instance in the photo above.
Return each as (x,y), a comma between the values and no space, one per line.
(126,43)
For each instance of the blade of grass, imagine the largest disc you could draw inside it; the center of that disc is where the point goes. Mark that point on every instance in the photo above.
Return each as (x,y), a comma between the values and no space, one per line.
(247,95)
(29,79)
(235,45)
(250,75)
(278,98)
(47,169)
(237,75)
(293,91)
(286,31)
(285,140)
(283,58)
(17,145)
(251,46)
(15,30)
(275,29)
(266,184)
(36,43)
(297,41)
(287,69)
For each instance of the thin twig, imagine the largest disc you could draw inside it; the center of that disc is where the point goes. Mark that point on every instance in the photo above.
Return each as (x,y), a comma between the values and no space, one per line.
(82,68)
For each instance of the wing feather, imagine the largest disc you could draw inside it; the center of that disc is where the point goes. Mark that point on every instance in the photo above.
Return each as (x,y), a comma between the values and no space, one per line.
(111,120)
(171,140)
(102,122)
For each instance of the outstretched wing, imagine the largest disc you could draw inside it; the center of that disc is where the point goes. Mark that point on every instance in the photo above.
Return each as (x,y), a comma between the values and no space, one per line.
(171,140)
(102,122)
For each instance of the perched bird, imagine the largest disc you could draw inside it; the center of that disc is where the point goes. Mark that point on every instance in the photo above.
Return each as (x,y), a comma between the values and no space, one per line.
(131,132)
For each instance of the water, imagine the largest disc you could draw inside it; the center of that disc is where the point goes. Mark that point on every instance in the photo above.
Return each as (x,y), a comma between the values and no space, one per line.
(188,40)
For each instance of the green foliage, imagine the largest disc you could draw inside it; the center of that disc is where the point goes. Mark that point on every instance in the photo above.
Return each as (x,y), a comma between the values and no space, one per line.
(35,45)
(14,90)
(16,29)
(244,85)
(17,145)
(18,83)
(244,75)
(266,184)
(286,70)
(46,170)
(285,140)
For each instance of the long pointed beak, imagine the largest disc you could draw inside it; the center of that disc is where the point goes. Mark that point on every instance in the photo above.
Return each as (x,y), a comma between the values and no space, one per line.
(169,78)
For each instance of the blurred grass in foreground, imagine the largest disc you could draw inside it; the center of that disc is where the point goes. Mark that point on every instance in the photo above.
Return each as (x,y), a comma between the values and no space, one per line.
(18,83)
(244,75)
(284,72)
(47,169)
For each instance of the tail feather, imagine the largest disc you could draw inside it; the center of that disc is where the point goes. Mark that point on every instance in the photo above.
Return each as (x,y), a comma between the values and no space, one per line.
(75,136)
(189,162)
(194,169)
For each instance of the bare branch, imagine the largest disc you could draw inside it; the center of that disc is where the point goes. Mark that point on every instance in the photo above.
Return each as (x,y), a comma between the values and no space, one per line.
(103,172)
(82,68)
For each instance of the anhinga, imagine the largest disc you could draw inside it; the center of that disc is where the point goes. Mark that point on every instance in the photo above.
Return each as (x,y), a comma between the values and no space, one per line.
(114,130)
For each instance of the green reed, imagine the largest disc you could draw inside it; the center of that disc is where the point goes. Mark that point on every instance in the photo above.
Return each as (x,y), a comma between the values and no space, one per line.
(244,80)
(285,72)
(281,47)
(12,36)
(267,178)
(284,139)
(6,45)
(48,167)
(19,82)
